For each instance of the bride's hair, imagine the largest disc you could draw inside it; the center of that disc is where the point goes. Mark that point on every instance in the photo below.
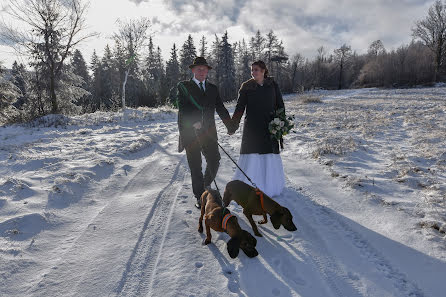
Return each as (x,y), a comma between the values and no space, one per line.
(262,65)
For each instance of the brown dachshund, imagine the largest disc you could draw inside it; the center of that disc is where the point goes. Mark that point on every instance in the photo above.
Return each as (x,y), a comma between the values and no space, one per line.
(220,219)
(250,200)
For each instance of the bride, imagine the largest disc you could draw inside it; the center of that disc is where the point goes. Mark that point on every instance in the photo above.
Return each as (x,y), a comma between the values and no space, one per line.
(259,153)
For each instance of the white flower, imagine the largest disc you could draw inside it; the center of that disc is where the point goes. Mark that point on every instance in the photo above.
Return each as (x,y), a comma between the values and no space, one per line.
(273,131)
(282,123)
(277,121)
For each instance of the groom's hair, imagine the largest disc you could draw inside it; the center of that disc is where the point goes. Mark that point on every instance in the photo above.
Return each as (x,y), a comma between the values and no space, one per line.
(262,65)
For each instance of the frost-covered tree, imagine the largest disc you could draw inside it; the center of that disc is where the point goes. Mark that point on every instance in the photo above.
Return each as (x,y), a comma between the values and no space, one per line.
(51,30)
(243,63)
(131,37)
(432,31)
(9,94)
(187,56)
(342,56)
(226,70)
(203,47)
(257,45)
(172,73)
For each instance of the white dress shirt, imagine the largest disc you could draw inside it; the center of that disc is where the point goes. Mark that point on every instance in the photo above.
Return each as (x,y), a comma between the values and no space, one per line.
(198,83)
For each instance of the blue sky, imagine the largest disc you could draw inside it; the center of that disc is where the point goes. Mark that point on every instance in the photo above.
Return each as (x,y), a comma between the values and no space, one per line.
(302,25)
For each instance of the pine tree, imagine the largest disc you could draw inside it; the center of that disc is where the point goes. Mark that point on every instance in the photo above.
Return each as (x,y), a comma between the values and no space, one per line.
(203,47)
(9,93)
(19,77)
(243,63)
(226,69)
(187,56)
(257,44)
(96,83)
(79,68)
(215,74)
(172,74)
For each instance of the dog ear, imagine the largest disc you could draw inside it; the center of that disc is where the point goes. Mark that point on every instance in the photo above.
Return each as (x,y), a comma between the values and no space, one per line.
(233,247)
(251,253)
(275,219)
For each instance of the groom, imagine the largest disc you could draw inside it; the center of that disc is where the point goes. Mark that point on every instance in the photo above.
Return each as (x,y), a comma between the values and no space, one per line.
(197,101)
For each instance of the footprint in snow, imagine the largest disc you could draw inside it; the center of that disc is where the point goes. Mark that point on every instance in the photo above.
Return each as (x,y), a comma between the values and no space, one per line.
(198,264)
(188,211)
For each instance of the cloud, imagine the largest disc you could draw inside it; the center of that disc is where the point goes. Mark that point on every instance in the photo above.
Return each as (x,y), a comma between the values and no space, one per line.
(303,25)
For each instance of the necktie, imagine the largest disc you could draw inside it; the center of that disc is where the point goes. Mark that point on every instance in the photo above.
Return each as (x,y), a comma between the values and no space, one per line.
(201,87)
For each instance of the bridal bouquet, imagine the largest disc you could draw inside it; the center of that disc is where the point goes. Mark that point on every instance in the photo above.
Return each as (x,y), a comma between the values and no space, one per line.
(281,124)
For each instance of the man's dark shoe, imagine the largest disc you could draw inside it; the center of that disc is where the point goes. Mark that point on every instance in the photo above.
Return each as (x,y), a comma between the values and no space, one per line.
(198,204)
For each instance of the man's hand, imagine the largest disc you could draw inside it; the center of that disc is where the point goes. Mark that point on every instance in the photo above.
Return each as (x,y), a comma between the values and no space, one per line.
(197,125)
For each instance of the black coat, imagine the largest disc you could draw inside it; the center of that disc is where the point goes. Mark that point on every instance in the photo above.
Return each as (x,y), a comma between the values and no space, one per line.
(260,103)
(189,113)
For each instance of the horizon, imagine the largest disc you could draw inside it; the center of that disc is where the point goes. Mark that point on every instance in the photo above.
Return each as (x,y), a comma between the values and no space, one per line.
(305,27)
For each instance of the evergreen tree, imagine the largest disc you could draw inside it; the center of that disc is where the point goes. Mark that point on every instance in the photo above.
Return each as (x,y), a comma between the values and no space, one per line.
(172,73)
(203,47)
(19,77)
(9,93)
(79,68)
(243,63)
(187,56)
(257,44)
(96,83)
(226,69)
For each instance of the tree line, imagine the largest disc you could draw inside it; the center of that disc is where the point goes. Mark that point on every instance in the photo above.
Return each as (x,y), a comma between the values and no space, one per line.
(131,69)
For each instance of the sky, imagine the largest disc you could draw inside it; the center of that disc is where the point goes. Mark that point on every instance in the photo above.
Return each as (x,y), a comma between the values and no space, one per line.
(303,26)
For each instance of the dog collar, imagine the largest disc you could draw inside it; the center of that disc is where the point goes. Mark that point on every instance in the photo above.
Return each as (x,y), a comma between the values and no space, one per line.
(260,194)
(225,220)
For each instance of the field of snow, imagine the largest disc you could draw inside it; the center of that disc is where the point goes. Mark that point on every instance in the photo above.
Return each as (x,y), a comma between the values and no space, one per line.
(98,205)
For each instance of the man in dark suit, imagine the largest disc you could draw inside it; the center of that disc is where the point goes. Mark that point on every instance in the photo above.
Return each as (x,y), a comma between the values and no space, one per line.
(197,101)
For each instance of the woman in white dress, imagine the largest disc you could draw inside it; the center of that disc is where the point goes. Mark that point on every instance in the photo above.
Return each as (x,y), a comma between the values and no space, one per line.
(259,153)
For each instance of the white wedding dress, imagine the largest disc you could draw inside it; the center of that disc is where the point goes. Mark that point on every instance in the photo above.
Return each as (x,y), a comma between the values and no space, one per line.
(265,170)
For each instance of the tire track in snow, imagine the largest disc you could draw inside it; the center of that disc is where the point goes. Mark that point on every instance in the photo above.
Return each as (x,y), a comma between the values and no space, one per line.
(138,277)
(336,278)
(327,218)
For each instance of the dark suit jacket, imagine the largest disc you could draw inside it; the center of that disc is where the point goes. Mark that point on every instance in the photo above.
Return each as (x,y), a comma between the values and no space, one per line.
(189,113)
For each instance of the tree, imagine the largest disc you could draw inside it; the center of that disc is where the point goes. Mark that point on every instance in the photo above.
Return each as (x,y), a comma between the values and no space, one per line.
(79,68)
(226,69)
(172,73)
(56,27)
(257,44)
(187,56)
(203,47)
(131,36)
(432,31)
(342,55)
(376,48)
(9,93)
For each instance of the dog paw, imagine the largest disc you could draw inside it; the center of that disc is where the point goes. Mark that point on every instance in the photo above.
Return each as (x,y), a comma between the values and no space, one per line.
(262,222)
(206,241)
(258,234)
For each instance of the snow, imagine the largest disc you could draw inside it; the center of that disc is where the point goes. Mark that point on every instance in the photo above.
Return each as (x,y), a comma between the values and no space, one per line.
(101,204)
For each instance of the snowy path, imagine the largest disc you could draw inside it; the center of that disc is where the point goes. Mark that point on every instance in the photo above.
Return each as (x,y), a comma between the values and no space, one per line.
(139,238)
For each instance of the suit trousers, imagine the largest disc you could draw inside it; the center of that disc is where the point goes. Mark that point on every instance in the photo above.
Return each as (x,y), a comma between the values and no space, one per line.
(209,148)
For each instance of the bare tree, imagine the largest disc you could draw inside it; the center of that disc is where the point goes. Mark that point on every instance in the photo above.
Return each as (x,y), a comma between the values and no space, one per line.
(132,36)
(342,55)
(376,48)
(49,30)
(432,31)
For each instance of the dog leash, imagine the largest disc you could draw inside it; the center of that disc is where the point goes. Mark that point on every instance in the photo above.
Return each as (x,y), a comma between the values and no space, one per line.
(258,192)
